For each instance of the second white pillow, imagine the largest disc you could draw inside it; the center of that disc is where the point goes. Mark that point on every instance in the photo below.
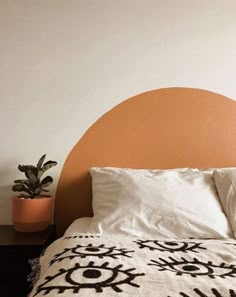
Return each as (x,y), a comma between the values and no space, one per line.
(226,186)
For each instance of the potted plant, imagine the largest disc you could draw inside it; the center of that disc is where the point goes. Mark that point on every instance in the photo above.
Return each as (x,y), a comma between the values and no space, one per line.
(32,209)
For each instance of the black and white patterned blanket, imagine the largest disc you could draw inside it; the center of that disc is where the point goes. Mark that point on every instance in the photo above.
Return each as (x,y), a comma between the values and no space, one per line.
(90,265)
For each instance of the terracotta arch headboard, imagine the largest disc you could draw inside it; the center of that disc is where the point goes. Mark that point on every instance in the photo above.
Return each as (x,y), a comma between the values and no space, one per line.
(165,128)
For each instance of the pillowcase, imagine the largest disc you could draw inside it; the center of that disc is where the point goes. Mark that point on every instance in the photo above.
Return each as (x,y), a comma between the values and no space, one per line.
(226,186)
(180,203)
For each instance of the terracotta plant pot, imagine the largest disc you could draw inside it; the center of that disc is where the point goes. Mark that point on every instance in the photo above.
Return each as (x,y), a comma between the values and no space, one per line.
(32,215)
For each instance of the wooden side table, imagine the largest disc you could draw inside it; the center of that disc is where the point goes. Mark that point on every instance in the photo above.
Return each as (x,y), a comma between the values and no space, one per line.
(16,248)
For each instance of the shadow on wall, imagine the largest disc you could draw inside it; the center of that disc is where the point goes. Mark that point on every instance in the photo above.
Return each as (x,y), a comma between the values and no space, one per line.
(6,193)
(6,204)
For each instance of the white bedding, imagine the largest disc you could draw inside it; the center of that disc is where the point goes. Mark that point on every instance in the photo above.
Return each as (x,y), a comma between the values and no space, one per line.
(94,257)
(111,266)
(175,203)
(80,225)
(226,185)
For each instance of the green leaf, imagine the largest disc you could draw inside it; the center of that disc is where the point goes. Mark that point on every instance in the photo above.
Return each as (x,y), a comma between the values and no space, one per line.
(27,183)
(24,187)
(38,191)
(21,181)
(32,174)
(46,166)
(46,181)
(26,196)
(18,188)
(44,190)
(22,168)
(21,188)
(40,162)
(32,184)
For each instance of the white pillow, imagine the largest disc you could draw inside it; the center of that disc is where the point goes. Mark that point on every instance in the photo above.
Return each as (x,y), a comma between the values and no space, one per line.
(80,225)
(226,186)
(179,203)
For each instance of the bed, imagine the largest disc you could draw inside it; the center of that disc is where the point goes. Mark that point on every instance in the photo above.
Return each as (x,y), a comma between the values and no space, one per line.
(146,202)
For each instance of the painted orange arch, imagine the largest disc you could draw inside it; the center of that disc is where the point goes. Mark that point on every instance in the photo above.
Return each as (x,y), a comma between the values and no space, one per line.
(165,128)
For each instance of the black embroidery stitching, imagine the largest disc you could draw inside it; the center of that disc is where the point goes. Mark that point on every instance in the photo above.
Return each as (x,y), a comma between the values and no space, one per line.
(89,250)
(90,271)
(192,267)
(80,236)
(230,243)
(174,246)
(215,292)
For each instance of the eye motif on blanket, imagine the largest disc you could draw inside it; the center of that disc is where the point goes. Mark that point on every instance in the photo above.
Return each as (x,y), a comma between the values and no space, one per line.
(117,266)
(83,251)
(214,291)
(170,246)
(93,276)
(195,267)
(232,244)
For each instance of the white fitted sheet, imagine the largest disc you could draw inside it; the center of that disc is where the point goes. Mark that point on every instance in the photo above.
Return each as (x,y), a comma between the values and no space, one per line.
(80,225)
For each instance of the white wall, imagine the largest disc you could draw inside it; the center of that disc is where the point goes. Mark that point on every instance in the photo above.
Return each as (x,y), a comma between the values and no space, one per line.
(64,63)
